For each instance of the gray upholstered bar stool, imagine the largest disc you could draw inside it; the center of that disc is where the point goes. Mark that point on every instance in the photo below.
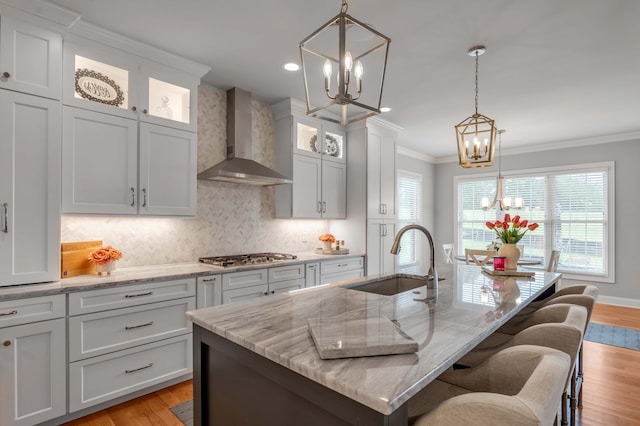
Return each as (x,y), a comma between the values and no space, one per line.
(560,326)
(517,386)
(579,294)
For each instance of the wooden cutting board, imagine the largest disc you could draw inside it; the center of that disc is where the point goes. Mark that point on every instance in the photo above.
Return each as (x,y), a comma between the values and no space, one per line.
(74,258)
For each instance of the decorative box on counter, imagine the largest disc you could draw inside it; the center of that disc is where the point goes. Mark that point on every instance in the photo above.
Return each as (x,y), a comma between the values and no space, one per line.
(333,251)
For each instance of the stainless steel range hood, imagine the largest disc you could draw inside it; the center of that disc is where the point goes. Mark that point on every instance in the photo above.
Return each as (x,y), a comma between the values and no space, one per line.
(239,167)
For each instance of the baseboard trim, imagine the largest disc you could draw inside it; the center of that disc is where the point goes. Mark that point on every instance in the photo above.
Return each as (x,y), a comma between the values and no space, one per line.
(619,301)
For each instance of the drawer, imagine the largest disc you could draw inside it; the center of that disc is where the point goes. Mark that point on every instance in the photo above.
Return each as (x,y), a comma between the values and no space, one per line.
(24,311)
(131,295)
(284,273)
(244,293)
(284,286)
(340,265)
(105,377)
(103,332)
(244,279)
(341,276)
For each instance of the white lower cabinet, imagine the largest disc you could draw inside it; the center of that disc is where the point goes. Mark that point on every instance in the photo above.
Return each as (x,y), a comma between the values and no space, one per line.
(99,379)
(335,270)
(245,285)
(312,274)
(124,339)
(209,291)
(32,360)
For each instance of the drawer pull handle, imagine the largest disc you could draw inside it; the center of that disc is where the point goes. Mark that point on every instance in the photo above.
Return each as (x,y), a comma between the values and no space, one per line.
(144,367)
(129,296)
(4,314)
(5,228)
(343,265)
(208,280)
(132,327)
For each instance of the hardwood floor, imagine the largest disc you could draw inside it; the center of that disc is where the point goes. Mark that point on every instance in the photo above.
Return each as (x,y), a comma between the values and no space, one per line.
(610,391)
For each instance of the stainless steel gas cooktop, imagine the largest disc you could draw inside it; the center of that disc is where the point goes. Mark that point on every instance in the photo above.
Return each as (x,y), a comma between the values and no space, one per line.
(246,259)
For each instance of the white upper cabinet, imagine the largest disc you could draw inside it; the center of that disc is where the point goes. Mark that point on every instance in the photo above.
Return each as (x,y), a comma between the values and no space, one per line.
(113,82)
(109,169)
(381,172)
(29,189)
(99,163)
(313,153)
(30,58)
(167,164)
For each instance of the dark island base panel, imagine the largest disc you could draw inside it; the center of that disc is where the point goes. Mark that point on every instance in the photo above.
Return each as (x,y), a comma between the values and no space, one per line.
(234,386)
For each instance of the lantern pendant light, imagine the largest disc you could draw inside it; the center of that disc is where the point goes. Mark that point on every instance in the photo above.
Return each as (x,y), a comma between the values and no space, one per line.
(351,54)
(476,135)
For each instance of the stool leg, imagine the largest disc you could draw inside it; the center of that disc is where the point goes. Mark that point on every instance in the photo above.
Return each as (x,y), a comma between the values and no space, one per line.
(563,420)
(572,397)
(580,375)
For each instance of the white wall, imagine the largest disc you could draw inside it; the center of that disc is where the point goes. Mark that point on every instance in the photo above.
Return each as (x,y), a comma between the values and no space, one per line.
(231,219)
(626,154)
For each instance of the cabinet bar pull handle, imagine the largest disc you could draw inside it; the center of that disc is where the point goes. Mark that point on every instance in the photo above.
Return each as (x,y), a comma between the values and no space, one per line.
(4,314)
(208,280)
(131,327)
(6,74)
(324,207)
(129,296)
(139,368)
(343,265)
(311,266)
(133,197)
(144,197)
(5,228)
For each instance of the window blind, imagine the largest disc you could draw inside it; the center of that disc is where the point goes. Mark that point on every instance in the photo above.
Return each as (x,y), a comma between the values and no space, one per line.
(409,200)
(571,205)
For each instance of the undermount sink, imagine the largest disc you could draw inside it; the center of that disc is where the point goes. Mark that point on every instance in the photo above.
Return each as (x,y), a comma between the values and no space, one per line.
(391,285)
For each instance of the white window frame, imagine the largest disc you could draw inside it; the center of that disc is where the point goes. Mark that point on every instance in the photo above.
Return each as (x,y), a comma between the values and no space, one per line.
(609,274)
(417,261)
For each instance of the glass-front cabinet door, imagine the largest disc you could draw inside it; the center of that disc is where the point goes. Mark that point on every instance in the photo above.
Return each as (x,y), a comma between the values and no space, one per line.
(168,97)
(99,80)
(319,140)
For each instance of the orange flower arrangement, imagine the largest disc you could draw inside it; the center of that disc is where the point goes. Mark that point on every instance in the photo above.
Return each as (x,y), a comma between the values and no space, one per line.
(515,233)
(104,255)
(327,238)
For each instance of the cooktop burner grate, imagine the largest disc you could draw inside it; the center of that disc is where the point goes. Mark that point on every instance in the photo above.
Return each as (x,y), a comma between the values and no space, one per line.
(246,259)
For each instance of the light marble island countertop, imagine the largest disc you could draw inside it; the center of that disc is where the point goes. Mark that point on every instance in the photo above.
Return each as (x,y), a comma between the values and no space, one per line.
(470,306)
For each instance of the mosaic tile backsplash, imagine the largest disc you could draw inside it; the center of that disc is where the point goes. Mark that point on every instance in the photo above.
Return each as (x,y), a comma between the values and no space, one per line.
(231,219)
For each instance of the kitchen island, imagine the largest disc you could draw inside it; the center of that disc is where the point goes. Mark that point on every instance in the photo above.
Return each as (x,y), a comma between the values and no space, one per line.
(256,362)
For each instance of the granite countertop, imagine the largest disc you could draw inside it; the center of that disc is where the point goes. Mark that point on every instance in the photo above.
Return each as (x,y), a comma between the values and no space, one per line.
(144,274)
(465,314)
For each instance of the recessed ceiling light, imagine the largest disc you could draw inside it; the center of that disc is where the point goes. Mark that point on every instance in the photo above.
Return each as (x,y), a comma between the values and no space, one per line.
(385,109)
(291,66)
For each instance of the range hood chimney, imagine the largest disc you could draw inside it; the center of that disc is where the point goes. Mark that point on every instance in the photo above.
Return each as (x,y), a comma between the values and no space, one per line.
(239,167)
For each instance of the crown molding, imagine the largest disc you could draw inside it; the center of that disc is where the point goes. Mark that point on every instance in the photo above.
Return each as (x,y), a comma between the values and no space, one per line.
(27,9)
(401,150)
(552,146)
(81,30)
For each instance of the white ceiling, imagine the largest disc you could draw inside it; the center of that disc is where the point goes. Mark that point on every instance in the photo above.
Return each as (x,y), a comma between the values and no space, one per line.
(555,70)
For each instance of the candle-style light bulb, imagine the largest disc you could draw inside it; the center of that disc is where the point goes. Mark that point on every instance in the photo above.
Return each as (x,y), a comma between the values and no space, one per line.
(358,71)
(506,201)
(519,202)
(484,202)
(348,62)
(327,70)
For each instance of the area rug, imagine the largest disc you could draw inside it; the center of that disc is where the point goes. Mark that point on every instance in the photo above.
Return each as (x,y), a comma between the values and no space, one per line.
(184,412)
(615,336)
